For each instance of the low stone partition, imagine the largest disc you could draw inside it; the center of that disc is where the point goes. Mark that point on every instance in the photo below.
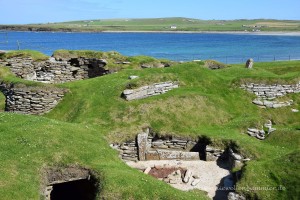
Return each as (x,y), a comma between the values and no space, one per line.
(31,100)
(267,94)
(272,104)
(150,90)
(147,147)
(270,92)
(53,71)
(233,159)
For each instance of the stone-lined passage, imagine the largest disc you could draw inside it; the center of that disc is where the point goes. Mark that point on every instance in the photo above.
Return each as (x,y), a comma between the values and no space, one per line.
(149,90)
(31,100)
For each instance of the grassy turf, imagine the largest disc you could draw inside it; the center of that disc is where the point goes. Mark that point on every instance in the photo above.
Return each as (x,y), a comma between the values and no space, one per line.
(35,55)
(208,103)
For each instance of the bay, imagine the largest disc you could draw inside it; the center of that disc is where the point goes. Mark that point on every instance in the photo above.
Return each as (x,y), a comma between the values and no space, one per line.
(228,48)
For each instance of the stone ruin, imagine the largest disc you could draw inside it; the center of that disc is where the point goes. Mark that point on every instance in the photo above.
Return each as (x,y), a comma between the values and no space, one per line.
(261,133)
(31,100)
(69,183)
(56,71)
(267,94)
(149,90)
(171,153)
(147,147)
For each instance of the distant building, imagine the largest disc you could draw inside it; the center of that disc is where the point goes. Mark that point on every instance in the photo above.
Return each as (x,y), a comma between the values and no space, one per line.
(173,27)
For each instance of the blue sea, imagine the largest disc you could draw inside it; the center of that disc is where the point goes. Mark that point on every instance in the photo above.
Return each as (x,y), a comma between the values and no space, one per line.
(229,48)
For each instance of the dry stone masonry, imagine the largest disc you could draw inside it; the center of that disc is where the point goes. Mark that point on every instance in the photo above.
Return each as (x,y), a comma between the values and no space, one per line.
(149,147)
(150,90)
(174,151)
(54,71)
(266,94)
(146,147)
(31,100)
(261,133)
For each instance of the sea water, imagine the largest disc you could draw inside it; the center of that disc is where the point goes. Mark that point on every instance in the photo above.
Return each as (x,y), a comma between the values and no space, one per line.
(229,48)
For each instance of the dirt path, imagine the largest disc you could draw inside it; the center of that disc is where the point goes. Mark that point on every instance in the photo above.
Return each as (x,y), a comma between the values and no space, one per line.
(209,174)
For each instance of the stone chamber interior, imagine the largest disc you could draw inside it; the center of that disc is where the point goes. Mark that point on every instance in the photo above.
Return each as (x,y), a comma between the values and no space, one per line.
(71,183)
(74,190)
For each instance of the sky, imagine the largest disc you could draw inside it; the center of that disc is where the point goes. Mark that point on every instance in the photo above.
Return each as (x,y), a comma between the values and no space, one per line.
(44,11)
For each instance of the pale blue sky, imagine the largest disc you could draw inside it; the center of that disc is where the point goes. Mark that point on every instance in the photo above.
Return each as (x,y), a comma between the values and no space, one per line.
(43,11)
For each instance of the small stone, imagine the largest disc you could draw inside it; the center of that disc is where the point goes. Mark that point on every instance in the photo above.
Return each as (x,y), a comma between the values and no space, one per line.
(271,130)
(295,110)
(237,156)
(260,137)
(254,130)
(175,177)
(196,177)
(133,77)
(187,176)
(127,92)
(268,124)
(195,182)
(147,170)
(258,102)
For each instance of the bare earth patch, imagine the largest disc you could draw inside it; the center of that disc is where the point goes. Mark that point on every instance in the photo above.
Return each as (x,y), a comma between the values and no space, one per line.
(208,174)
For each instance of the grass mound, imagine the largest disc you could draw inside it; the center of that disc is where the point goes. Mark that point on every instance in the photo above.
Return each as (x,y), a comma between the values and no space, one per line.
(35,55)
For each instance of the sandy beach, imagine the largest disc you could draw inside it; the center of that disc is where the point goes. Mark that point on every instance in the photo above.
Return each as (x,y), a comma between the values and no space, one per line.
(215,32)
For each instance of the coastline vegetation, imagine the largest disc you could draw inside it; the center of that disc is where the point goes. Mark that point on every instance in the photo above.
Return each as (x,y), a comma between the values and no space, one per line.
(174,24)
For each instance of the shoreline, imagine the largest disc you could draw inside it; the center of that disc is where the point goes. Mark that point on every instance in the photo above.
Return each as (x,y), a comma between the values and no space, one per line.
(281,33)
(278,33)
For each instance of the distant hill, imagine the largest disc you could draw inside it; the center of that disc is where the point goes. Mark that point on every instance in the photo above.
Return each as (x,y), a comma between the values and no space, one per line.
(162,24)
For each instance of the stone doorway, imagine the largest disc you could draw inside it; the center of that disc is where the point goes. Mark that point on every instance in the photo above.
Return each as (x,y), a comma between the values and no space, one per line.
(74,183)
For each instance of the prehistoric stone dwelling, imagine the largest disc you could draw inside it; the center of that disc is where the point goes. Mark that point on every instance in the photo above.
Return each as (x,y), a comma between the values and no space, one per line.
(56,71)
(148,146)
(31,100)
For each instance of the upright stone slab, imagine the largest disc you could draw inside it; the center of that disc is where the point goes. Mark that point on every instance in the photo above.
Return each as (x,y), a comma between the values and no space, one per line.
(249,63)
(142,139)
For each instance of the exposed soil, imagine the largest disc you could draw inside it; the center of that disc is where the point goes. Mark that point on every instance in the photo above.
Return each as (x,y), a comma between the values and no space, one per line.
(160,172)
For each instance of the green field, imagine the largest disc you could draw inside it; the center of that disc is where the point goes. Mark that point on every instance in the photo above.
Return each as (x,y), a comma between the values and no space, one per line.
(163,24)
(207,103)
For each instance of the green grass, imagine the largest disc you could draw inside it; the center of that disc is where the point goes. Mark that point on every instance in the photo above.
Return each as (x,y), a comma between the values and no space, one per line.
(164,24)
(35,55)
(208,103)
(29,144)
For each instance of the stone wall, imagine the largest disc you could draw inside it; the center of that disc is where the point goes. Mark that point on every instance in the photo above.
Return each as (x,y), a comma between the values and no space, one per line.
(148,91)
(267,94)
(147,147)
(31,100)
(270,92)
(233,158)
(53,71)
